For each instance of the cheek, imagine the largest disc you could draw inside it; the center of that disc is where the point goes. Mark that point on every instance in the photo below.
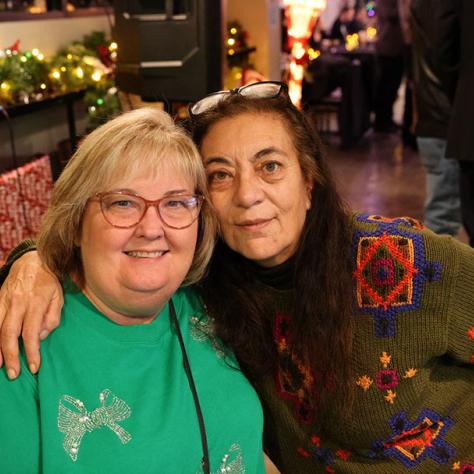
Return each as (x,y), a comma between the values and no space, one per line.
(185,240)
(221,201)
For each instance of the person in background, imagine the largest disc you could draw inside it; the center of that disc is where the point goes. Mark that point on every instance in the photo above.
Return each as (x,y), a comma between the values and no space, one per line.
(132,380)
(356,330)
(454,43)
(389,49)
(346,24)
(433,111)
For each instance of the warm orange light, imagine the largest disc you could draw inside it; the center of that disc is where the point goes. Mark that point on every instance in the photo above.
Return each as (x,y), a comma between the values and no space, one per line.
(301,17)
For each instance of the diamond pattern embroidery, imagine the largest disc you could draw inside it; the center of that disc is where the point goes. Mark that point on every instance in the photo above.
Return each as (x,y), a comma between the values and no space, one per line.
(391,271)
(385,271)
(413,442)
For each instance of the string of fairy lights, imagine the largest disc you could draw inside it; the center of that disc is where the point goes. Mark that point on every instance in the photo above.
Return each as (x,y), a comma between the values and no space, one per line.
(28,76)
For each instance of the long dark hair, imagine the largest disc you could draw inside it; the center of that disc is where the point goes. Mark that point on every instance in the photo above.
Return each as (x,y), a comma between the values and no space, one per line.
(322,316)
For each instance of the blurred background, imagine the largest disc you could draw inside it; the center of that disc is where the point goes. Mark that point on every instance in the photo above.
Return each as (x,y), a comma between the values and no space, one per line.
(68,65)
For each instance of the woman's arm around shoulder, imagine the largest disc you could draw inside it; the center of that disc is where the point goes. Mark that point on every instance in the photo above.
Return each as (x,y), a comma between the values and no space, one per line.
(31,299)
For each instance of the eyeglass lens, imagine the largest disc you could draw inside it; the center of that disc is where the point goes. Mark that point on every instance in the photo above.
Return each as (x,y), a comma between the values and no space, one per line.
(261,90)
(257,90)
(124,210)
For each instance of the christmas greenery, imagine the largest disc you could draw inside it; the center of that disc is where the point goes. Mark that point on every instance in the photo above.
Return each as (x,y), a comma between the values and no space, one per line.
(27,76)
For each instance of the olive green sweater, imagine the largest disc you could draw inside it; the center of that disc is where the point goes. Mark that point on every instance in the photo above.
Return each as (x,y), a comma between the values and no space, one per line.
(412,363)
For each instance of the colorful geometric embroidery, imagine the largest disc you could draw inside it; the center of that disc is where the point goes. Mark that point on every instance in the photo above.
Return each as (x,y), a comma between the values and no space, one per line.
(464,469)
(390,270)
(407,221)
(470,335)
(411,443)
(322,455)
(387,378)
(364,382)
(294,380)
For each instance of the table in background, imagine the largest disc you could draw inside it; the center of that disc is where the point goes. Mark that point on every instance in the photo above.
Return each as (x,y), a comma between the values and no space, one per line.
(354,73)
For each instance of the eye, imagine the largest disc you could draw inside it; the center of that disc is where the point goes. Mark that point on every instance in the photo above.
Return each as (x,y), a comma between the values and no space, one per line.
(218,176)
(176,203)
(271,168)
(121,203)
(181,202)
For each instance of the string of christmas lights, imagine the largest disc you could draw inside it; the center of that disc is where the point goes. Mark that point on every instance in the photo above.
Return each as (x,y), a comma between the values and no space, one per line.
(27,76)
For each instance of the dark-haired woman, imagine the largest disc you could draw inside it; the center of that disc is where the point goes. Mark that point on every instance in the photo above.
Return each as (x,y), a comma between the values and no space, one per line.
(357,331)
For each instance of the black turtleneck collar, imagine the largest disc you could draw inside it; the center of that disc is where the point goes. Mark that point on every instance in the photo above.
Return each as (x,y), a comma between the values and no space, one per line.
(280,277)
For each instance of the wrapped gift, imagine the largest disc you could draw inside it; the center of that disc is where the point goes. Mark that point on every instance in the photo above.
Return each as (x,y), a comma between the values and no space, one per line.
(24,197)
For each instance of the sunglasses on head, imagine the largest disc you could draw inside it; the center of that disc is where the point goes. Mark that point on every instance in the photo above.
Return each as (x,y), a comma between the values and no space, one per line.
(256,90)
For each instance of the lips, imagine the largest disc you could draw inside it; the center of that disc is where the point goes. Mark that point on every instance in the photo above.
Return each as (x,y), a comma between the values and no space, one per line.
(253,224)
(146,253)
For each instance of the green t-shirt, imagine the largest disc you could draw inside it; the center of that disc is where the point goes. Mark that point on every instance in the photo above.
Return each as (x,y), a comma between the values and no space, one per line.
(116,399)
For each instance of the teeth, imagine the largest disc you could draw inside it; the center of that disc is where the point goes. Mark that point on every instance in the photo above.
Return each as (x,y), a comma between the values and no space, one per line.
(145,254)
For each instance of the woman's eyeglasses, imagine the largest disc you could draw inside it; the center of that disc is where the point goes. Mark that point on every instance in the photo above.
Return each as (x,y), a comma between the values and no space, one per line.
(125,210)
(257,90)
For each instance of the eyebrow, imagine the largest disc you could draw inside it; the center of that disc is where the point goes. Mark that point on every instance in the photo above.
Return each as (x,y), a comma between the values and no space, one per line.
(260,154)
(268,151)
(168,193)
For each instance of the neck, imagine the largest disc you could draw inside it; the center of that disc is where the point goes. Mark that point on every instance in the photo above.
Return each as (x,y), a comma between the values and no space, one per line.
(124,314)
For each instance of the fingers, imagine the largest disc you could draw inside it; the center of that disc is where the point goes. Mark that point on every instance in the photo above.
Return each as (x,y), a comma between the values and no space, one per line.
(52,317)
(30,305)
(31,335)
(42,317)
(3,312)
(10,332)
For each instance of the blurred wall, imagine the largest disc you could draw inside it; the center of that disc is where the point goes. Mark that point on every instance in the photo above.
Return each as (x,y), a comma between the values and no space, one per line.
(49,35)
(261,20)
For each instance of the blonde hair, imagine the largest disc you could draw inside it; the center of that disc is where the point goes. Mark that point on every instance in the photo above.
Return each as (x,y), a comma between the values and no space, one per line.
(134,143)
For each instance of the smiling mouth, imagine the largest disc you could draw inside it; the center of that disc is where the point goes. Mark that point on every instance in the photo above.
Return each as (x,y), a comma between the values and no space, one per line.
(142,254)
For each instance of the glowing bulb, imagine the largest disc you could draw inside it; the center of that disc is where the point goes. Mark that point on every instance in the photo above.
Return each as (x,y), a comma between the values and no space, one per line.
(35,52)
(40,57)
(231,52)
(100,101)
(96,76)
(55,73)
(233,31)
(299,51)
(8,52)
(314,53)
(79,73)
(231,41)
(113,55)
(5,86)
(91,108)
(23,59)
(371,32)
(113,46)
(69,56)
(63,69)
(43,86)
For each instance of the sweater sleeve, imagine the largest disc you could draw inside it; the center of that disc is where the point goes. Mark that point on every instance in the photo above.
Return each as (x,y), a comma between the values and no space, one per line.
(14,255)
(20,424)
(461,317)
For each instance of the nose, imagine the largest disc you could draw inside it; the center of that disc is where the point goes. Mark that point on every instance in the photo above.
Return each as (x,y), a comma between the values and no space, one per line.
(249,191)
(151,226)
